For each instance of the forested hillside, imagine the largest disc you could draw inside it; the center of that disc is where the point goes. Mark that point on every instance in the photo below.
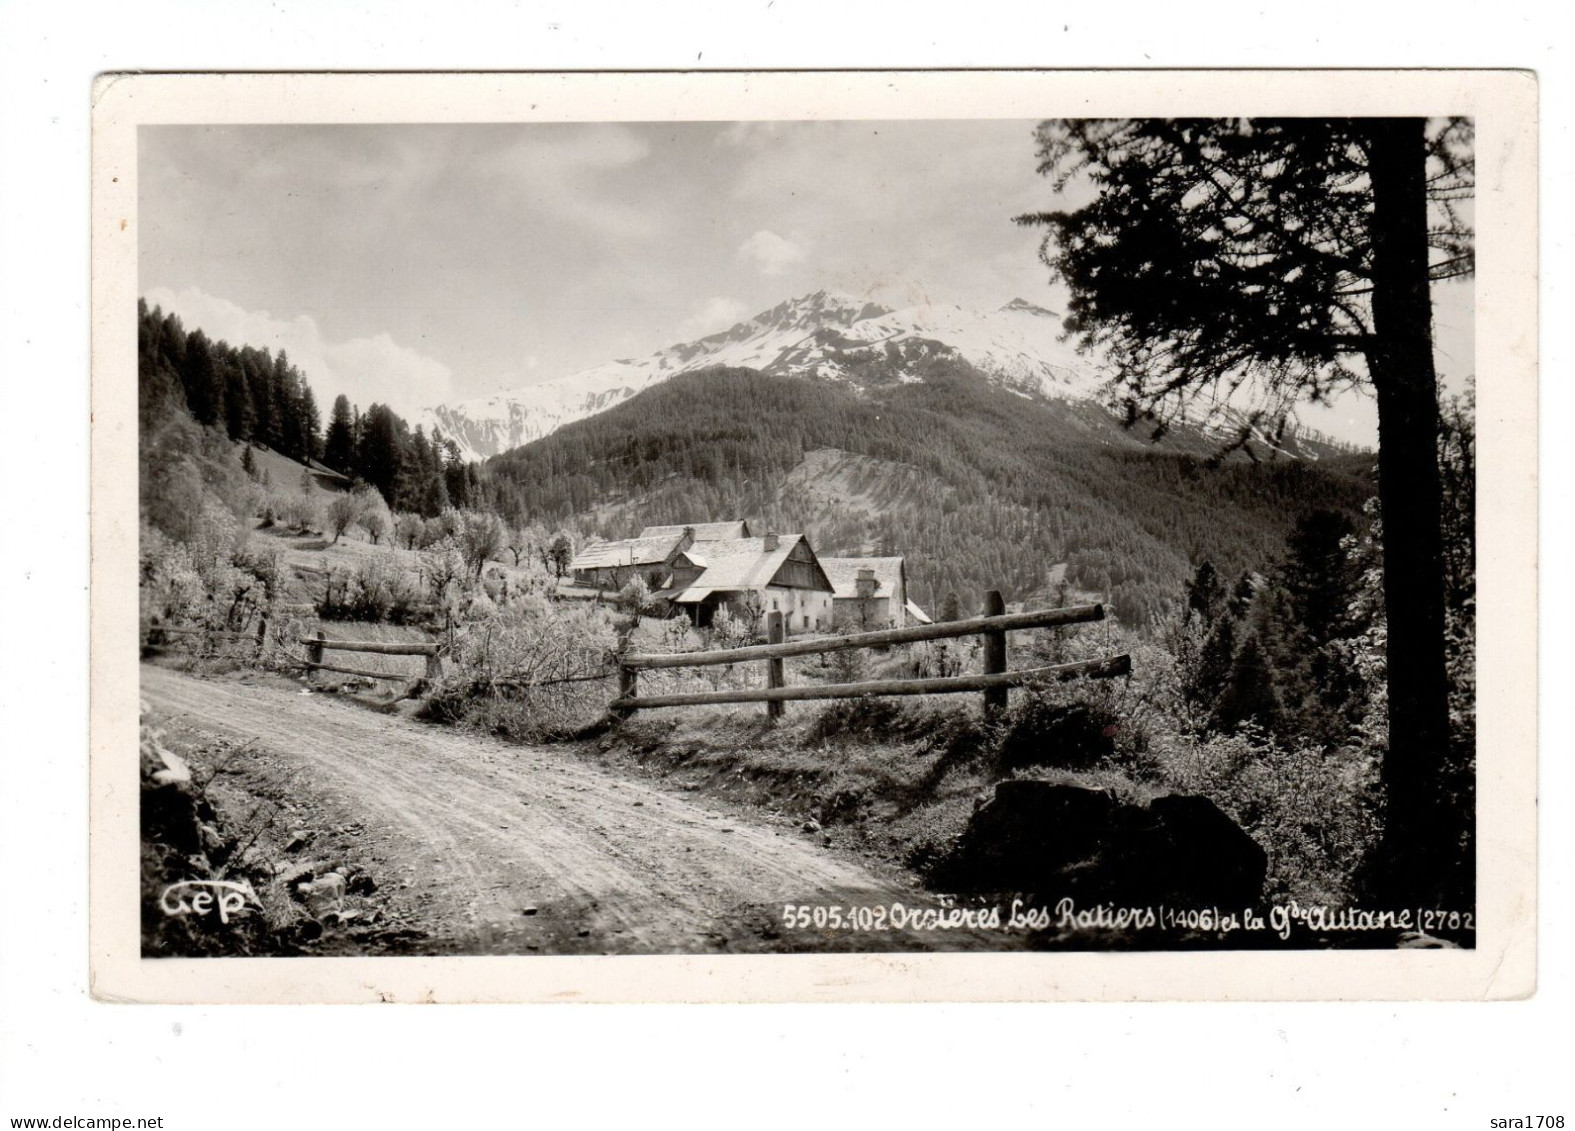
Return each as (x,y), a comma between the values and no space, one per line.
(256,398)
(1006,487)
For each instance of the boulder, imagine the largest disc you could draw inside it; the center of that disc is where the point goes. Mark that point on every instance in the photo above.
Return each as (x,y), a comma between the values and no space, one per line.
(1051,839)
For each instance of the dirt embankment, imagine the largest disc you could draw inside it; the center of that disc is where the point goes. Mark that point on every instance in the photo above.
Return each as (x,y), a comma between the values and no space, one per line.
(485,847)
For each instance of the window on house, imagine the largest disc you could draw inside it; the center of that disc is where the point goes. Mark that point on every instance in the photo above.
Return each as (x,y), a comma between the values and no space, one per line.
(806,620)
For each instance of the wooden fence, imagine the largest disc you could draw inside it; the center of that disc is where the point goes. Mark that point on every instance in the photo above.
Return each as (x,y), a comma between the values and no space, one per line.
(317,645)
(158,637)
(994,682)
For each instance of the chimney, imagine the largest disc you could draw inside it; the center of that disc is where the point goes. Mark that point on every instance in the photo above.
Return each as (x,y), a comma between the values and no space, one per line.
(772,542)
(864,583)
(688,539)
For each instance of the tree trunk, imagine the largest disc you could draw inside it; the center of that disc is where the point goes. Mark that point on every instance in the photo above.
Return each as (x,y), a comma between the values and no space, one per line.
(1420,841)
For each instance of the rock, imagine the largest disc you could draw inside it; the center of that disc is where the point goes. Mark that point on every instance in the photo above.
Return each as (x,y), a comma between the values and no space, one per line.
(361,884)
(175,771)
(296,840)
(811,826)
(1050,840)
(211,838)
(825,841)
(324,895)
(528,909)
(292,875)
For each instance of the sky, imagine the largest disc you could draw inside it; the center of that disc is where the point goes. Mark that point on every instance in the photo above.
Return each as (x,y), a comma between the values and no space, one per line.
(415,264)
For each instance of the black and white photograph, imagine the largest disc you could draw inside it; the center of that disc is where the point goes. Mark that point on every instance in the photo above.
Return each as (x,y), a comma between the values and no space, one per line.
(845,536)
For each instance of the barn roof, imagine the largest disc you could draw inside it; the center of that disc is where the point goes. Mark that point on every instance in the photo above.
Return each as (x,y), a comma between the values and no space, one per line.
(626,551)
(844,575)
(704,531)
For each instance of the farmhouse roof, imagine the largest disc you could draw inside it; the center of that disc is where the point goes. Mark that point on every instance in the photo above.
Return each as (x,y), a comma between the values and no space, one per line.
(844,575)
(627,551)
(743,563)
(704,531)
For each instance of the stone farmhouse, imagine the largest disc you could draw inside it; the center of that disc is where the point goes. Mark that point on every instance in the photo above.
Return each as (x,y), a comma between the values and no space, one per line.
(871,593)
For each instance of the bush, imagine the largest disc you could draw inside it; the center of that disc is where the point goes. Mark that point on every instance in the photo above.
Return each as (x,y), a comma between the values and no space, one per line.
(1314,813)
(857,719)
(296,512)
(1070,736)
(509,669)
(373,593)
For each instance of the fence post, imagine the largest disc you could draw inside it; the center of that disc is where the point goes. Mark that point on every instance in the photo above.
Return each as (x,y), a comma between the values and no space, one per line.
(434,666)
(774,635)
(262,631)
(314,653)
(995,698)
(628,679)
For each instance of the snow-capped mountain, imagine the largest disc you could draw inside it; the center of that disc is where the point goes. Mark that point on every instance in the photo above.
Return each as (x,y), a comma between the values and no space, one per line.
(824,334)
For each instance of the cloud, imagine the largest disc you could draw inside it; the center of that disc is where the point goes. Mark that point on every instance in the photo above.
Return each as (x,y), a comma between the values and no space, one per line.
(770,253)
(563,169)
(366,370)
(713,316)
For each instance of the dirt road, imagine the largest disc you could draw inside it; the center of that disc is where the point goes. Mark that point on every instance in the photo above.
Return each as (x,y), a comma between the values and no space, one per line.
(497,848)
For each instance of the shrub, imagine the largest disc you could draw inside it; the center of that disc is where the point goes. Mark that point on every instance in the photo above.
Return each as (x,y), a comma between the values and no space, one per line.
(856,719)
(172,590)
(373,593)
(1041,732)
(509,667)
(300,513)
(1315,813)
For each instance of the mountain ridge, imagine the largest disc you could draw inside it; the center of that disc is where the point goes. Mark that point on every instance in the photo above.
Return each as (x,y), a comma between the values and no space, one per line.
(824,334)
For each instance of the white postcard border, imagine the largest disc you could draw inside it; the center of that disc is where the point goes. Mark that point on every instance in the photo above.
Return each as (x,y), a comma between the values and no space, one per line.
(1503,965)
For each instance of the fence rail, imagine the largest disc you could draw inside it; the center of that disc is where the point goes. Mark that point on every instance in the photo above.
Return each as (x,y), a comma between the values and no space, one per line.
(317,645)
(1093,669)
(1008,622)
(375,647)
(995,681)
